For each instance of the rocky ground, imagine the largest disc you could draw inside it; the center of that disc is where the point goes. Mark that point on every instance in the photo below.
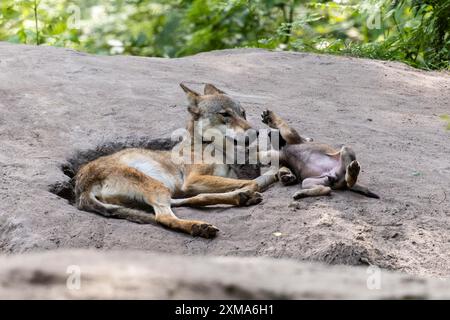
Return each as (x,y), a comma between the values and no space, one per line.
(57,102)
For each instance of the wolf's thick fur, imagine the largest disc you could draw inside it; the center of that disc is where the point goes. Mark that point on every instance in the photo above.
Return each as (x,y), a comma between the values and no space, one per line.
(128,183)
(319,167)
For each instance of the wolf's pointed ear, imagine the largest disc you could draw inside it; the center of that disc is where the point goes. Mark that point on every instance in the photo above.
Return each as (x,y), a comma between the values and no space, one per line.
(193,98)
(210,89)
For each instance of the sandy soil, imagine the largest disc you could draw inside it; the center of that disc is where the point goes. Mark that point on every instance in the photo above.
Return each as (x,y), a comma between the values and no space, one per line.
(55,102)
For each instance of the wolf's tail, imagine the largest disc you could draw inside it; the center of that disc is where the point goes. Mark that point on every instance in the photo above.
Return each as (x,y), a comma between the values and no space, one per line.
(364,191)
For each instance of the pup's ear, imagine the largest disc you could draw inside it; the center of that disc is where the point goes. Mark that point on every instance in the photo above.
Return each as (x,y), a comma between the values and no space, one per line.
(193,98)
(210,89)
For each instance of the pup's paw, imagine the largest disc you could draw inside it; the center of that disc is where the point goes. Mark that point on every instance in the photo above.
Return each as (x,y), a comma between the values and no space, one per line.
(332,179)
(352,173)
(299,195)
(268,117)
(248,198)
(204,230)
(354,168)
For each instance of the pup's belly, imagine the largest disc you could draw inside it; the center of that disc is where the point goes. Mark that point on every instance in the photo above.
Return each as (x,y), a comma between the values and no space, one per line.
(319,165)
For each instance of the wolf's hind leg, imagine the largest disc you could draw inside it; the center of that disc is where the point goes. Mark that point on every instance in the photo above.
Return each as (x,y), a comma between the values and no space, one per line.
(165,216)
(160,201)
(130,186)
(312,192)
(313,187)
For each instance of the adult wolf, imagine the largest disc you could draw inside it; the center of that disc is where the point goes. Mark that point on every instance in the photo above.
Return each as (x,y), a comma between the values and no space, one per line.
(126,183)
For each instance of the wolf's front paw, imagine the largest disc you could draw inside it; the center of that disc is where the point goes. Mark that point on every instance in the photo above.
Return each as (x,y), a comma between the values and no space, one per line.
(248,198)
(286,177)
(204,230)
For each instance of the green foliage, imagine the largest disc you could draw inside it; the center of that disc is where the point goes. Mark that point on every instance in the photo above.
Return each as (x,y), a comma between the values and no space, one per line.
(173,28)
(446,118)
(414,31)
(36,22)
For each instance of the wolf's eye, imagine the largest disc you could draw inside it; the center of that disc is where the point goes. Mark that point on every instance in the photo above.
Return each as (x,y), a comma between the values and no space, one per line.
(225,114)
(244,115)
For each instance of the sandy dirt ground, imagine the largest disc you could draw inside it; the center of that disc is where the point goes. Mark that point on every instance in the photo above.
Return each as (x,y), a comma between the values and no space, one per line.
(55,102)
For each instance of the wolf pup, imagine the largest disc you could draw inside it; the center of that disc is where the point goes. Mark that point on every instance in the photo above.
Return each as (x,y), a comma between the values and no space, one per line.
(318,167)
(124,184)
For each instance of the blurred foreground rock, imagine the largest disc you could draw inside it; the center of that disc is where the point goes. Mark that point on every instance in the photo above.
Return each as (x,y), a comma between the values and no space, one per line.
(118,274)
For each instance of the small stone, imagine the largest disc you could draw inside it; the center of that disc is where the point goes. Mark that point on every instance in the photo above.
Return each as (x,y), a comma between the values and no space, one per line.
(277,234)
